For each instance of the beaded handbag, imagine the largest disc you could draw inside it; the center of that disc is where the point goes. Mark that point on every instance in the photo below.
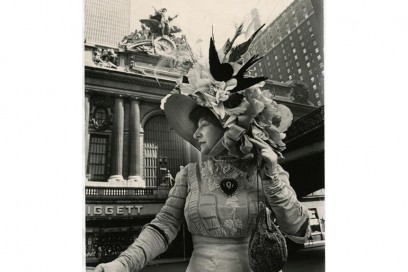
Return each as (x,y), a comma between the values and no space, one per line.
(267,249)
(267,246)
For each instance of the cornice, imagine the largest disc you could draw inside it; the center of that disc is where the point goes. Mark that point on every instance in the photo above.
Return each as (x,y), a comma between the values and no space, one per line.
(129,95)
(100,73)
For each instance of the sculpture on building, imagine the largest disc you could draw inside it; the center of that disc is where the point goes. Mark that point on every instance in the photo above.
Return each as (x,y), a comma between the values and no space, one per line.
(158,36)
(160,22)
(105,57)
(299,92)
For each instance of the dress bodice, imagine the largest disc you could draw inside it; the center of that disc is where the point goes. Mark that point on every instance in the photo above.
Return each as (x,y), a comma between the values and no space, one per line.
(209,211)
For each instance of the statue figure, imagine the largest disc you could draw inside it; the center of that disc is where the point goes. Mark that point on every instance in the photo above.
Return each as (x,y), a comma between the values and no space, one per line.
(145,32)
(160,23)
(105,57)
(97,55)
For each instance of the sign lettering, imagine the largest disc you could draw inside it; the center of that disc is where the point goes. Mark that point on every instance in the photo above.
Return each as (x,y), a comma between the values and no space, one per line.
(102,210)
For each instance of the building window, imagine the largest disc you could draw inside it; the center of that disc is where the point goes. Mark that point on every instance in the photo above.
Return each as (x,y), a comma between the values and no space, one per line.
(101,115)
(97,157)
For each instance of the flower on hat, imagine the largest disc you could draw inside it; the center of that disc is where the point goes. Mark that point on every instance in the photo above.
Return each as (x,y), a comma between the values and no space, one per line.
(237,101)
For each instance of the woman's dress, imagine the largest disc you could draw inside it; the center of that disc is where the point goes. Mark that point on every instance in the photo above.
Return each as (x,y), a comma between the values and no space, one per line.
(220,224)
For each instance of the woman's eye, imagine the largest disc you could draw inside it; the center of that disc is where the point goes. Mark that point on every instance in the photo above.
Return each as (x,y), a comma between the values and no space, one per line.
(203,124)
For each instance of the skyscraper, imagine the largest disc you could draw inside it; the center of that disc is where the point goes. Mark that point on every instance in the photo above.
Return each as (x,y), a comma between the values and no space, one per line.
(292,46)
(107,21)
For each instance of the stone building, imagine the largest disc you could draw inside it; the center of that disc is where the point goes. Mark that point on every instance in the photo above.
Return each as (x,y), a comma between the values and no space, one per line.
(130,149)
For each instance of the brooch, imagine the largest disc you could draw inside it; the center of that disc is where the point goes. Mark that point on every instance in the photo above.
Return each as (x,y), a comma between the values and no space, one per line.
(229,186)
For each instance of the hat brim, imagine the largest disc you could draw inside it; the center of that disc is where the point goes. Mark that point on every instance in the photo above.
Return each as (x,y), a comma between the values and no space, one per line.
(177,109)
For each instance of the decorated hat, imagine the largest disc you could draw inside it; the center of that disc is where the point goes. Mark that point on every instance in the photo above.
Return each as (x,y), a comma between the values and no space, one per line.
(237,101)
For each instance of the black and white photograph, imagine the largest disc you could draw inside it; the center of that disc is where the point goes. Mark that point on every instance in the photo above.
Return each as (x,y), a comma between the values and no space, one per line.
(204,136)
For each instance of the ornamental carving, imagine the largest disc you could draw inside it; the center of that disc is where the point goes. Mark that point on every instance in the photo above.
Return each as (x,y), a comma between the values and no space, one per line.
(105,58)
(307,123)
(158,36)
(101,115)
(299,92)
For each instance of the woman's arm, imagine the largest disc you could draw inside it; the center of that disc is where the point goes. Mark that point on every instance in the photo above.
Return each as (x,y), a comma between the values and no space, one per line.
(292,216)
(155,236)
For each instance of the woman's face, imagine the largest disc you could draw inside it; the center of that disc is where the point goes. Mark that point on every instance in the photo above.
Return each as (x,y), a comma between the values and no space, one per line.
(207,135)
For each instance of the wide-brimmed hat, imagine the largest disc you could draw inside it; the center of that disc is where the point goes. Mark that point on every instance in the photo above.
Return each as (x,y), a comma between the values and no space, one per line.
(177,108)
(243,109)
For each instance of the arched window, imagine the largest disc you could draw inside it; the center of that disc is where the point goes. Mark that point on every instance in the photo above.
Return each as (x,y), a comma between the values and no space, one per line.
(160,142)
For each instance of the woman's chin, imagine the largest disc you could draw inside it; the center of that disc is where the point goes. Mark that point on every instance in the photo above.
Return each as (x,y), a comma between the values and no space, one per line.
(204,150)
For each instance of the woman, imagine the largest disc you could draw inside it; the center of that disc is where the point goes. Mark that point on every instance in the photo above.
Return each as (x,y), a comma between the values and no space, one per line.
(238,129)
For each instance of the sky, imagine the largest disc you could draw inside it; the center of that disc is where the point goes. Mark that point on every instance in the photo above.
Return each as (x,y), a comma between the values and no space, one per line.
(196,17)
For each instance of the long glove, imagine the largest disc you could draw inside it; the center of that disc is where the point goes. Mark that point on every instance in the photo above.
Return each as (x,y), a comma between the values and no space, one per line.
(155,236)
(291,215)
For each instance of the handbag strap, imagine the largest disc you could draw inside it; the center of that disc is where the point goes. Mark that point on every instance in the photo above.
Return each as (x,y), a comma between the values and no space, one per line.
(267,207)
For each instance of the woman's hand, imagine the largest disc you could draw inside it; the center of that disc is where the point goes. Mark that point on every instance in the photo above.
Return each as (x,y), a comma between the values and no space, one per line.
(114,266)
(269,157)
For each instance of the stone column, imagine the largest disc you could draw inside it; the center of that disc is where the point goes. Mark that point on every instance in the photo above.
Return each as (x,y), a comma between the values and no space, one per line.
(117,141)
(135,170)
(86,136)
